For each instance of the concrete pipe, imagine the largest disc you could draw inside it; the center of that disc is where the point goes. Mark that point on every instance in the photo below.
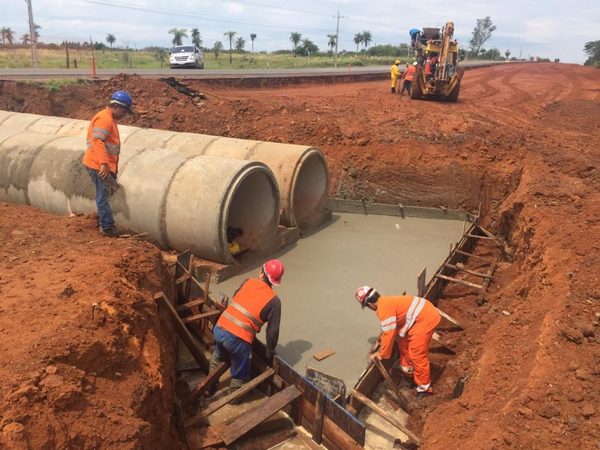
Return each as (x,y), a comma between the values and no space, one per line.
(183,203)
(301,171)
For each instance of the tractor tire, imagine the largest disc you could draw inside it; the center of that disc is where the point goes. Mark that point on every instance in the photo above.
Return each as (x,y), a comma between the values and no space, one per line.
(416,89)
(453,97)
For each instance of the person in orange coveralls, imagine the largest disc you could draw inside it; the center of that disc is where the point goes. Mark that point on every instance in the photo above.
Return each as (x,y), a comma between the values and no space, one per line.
(413,320)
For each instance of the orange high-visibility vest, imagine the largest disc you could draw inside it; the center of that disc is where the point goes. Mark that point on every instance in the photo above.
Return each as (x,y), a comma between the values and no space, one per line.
(410,73)
(103,142)
(242,316)
(402,316)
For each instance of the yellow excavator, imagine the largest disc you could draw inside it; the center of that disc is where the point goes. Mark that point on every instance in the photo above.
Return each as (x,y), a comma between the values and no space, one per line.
(438,75)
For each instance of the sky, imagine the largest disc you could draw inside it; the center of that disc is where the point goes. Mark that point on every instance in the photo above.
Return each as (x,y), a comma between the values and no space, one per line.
(550,28)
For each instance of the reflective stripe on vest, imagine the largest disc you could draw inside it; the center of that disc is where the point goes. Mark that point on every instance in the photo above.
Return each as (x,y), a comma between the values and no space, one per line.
(414,310)
(257,322)
(239,323)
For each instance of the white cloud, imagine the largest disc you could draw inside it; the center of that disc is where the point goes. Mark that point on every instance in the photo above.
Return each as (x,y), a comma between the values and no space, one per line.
(550,28)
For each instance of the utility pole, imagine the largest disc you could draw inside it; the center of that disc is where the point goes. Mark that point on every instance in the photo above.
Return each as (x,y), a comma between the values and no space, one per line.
(337,35)
(32,35)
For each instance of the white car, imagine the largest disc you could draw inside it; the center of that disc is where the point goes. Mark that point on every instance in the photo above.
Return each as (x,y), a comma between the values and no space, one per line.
(186,55)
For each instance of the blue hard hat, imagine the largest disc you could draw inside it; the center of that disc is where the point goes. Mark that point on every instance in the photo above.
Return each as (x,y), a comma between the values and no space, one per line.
(123,99)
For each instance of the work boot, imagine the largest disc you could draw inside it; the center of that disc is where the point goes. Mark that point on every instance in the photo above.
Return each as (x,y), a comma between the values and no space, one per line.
(110,232)
(424,394)
(236,384)
(211,390)
(393,90)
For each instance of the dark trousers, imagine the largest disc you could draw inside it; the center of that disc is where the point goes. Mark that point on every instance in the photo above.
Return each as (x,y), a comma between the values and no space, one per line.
(105,214)
(406,86)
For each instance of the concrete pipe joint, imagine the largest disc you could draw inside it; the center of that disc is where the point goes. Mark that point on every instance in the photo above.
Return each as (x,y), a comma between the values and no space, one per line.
(301,171)
(183,203)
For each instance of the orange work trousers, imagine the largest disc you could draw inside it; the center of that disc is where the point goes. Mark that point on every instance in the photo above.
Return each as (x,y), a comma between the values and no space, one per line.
(413,354)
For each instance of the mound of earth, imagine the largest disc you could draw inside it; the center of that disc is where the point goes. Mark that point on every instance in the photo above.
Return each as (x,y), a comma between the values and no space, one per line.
(86,362)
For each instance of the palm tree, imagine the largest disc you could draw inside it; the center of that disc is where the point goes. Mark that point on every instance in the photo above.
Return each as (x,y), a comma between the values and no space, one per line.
(252,37)
(196,37)
(367,38)
(230,35)
(25,39)
(240,42)
(178,35)
(217,49)
(36,35)
(111,39)
(295,38)
(332,41)
(358,38)
(8,35)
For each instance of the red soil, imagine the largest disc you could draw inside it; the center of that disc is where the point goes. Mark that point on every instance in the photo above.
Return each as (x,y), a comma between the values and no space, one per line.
(522,142)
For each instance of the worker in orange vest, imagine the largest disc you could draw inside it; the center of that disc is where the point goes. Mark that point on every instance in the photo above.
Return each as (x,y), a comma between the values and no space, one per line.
(101,158)
(395,74)
(410,319)
(253,304)
(408,78)
(430,64)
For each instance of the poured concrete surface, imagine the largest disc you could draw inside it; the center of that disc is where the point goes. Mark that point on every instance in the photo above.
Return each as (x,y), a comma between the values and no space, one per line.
(323,271)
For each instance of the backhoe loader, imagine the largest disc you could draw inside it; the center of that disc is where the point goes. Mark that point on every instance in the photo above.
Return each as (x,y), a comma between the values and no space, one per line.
(438,75)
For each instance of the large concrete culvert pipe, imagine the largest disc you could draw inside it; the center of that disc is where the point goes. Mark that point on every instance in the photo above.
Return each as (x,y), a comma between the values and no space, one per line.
(183,203)
(301,171)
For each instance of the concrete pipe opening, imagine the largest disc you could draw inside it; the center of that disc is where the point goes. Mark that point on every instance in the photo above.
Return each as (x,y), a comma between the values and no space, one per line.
(254,212)
(209,196)
(309,197)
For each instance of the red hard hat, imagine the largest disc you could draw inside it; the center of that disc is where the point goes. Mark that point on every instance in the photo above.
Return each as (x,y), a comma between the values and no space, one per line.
(363,293)
(274,270)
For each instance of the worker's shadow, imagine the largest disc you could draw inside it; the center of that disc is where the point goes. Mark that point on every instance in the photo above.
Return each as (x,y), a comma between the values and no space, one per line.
(292,351)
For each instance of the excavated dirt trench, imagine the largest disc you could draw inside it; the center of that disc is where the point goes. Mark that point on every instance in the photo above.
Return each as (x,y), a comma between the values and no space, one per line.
(522,143)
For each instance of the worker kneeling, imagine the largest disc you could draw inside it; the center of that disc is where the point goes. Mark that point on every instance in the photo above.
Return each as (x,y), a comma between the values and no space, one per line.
(253,304)
(413,319)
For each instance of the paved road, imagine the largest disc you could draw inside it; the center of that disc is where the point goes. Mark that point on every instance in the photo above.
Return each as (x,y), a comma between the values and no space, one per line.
(206,74)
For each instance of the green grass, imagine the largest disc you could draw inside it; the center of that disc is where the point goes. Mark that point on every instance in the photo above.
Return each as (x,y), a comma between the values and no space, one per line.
(19,57)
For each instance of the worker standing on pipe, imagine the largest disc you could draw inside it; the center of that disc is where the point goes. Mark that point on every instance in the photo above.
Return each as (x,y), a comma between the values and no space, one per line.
(408,78)
(253,304)
(410,319)
(395,74)
(101,158)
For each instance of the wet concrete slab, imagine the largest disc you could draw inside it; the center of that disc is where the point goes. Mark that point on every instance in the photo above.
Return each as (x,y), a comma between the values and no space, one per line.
(323,271)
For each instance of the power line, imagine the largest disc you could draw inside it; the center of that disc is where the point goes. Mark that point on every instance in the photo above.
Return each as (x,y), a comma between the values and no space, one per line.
(163,11)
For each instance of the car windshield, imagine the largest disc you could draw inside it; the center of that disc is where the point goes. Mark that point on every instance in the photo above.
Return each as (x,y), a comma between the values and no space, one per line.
(185,49)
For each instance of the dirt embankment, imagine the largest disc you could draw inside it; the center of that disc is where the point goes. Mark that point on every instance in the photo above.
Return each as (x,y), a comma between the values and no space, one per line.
(522,143)
(86,362)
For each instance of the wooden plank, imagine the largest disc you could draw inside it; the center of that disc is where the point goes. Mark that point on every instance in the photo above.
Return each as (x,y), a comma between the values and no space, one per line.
(385,415)
(487,232)
(215,406)
(386,375)
(456,280)
(478,236)
(182,278)
(462,269)
(421,278)
(256,415)
(317,431)
(334,437)
(449,318)
(207,382)
(343,419)
(190,304)
(324,354)
(198,317)
(267,441)
(488,280)
(182,331)
(471,255)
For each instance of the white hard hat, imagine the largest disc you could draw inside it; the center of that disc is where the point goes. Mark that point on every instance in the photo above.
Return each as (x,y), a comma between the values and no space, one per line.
(415,63)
